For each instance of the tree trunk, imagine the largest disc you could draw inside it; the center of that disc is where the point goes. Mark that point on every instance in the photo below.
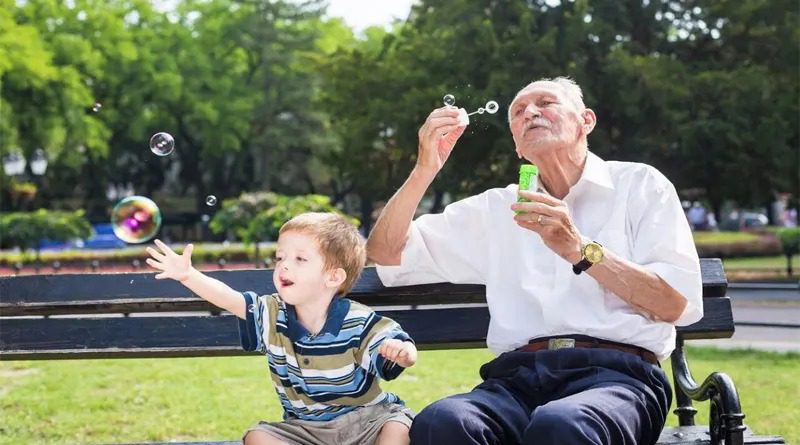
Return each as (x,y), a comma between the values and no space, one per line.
(438,199)
(366,214)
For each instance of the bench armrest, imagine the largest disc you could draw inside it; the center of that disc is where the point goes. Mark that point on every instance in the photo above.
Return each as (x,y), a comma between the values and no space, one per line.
(725,417)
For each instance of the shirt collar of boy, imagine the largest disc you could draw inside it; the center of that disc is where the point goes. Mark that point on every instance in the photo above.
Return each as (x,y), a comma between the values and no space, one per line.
(333,324)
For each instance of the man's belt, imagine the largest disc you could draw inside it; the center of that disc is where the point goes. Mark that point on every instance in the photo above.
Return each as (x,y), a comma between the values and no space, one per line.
(583,341)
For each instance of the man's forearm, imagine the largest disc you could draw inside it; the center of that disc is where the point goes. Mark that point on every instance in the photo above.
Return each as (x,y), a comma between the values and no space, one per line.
(389,236)
(639,287)
(215,292)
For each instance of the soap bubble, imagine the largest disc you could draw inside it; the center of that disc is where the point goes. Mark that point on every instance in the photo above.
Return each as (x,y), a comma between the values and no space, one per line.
(449,99)
(492,107)
(96,107)
(162,144)
(135,219)
(211,200)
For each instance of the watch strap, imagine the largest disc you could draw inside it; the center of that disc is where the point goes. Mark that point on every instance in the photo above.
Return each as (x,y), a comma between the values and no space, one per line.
(581,266)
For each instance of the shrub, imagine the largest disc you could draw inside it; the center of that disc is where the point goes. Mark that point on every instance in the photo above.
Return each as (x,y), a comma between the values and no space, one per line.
(790,240)
(26,229)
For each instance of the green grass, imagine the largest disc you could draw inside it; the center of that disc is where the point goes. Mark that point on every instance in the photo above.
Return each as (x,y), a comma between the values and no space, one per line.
(775,262)
(108,401)
(722,237)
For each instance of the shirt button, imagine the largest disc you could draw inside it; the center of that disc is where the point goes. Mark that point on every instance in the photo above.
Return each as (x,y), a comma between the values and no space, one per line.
(306,361)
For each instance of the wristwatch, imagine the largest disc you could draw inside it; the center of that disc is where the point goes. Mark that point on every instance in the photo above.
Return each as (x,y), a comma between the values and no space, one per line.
(592,253)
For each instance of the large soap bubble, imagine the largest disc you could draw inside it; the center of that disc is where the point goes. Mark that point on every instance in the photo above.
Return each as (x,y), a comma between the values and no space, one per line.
(136,219)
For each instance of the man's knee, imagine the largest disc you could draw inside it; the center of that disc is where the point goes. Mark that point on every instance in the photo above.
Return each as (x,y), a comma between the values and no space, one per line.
(559,424)
(441,419)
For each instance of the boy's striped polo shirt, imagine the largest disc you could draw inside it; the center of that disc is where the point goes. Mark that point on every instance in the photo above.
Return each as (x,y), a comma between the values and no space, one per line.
(320,377)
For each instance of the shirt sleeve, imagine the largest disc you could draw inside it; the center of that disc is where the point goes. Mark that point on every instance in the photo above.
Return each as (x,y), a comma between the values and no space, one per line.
(446,247)
(255,325)
(663,242)
(377,330)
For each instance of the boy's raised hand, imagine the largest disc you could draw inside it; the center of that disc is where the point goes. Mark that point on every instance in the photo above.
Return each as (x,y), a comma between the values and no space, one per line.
(171,265)
(404,353)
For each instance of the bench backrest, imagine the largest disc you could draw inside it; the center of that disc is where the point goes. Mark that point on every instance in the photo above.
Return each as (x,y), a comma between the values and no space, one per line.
(134,315)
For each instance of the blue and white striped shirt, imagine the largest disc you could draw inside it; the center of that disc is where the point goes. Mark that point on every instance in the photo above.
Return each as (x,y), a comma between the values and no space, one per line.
(320,377)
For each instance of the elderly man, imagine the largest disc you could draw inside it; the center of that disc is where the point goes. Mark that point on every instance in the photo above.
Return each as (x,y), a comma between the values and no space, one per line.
(585,281)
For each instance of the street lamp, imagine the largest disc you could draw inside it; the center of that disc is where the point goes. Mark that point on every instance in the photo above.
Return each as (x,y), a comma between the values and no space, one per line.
(14,164)
(39,162)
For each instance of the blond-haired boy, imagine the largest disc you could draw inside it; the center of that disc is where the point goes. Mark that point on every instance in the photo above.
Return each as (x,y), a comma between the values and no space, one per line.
(325,353)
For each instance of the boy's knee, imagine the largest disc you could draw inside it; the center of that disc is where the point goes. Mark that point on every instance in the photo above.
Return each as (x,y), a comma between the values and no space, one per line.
(394,433)
(262,438)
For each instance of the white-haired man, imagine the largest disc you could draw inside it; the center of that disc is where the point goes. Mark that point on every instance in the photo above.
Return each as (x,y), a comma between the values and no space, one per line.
(585,282)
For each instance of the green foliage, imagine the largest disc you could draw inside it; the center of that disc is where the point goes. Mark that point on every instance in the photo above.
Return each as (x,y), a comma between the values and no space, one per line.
(236,213)
(255,217)
(267,224)
(26,229)
(273,96)
(790,240)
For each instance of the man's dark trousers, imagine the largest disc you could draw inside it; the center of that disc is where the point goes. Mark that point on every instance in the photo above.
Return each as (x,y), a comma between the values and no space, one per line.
(564,396)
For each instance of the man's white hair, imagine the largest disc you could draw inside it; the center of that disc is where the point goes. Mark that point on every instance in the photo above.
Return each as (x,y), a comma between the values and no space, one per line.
(571,91)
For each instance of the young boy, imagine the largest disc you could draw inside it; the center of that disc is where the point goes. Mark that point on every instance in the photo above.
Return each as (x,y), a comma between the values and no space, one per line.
(325,353)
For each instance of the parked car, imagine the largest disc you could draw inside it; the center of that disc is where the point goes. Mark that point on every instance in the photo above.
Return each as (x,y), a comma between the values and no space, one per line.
(744,220)
(103,238)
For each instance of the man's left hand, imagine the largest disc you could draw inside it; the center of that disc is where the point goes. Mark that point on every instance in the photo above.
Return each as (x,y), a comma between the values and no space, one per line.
(549,217)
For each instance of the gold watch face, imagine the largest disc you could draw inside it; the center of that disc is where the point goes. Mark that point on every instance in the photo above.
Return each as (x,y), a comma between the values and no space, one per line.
(593,252)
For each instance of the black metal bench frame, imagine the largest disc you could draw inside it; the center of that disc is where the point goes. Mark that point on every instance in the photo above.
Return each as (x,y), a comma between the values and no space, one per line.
(87,316)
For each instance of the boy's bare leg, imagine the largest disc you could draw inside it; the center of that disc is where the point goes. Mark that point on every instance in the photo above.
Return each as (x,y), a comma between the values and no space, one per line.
(393,433)
(263,438)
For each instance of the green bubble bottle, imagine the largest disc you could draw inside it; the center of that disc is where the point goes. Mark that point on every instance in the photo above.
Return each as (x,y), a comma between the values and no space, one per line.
(527,180)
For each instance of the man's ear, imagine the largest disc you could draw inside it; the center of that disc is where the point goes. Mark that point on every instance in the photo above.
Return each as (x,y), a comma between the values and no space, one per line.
(336,277)
(589,120)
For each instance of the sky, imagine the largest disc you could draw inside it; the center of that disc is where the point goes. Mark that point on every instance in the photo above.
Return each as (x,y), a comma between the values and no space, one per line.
(360,14)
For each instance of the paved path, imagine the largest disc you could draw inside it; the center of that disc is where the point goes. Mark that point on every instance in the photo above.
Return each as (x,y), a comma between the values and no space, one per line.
(771,339)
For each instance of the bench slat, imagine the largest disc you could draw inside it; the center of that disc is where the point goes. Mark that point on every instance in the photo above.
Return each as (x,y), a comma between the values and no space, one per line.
(141,292)
(193,336)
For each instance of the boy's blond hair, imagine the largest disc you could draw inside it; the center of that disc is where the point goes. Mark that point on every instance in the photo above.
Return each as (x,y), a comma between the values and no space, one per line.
(339,243)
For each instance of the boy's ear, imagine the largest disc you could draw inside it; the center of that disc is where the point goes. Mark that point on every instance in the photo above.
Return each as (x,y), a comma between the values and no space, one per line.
(336,277)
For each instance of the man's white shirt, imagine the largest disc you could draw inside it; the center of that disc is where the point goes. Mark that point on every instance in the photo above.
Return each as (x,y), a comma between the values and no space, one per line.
(629,208)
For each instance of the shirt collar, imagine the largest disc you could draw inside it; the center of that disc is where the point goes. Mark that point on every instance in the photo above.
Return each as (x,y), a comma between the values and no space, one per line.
(596,171)
(333,323)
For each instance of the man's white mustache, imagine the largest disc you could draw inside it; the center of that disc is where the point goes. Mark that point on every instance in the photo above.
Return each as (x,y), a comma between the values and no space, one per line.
(537,122)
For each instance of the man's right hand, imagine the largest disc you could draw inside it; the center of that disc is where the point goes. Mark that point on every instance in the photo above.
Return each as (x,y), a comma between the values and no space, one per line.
(437,137)
(171,265)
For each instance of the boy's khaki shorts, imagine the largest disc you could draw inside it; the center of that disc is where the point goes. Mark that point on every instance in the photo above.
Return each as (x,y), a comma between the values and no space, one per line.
(358,427)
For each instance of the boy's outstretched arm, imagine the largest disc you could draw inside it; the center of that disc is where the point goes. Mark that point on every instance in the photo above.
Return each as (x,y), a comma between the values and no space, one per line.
(179,268)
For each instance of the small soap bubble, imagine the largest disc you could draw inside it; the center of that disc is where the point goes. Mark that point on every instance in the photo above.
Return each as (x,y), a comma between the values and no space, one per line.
(162,144)
(135,219)
(492,107)
(449,99)
(96,107)
(205,218)
(211,200)
(250,308)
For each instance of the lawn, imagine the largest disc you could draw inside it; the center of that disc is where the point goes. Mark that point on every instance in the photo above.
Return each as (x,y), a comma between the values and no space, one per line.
(766,262)
(101,401)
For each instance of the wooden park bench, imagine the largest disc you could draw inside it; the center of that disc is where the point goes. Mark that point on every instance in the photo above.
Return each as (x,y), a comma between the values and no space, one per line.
(46,317)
